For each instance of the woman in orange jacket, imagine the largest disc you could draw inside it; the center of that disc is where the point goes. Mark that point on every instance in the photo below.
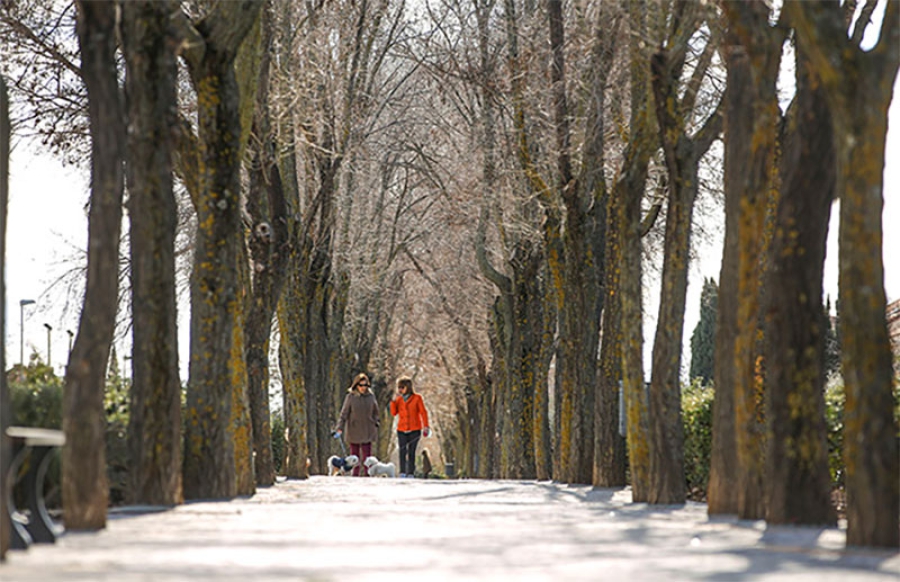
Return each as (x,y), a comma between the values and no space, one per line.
(412,424)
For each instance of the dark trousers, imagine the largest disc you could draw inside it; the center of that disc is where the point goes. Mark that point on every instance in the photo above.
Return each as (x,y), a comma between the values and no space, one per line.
(408,442)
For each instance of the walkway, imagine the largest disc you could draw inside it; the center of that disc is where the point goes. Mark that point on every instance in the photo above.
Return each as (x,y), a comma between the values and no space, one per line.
(342,528)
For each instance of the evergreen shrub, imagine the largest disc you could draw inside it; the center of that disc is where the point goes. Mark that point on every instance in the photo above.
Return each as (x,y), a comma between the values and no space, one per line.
(696,407)
(277,423)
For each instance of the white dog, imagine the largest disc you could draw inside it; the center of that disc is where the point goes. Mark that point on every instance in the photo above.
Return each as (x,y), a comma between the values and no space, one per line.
(377,468)
(341,465)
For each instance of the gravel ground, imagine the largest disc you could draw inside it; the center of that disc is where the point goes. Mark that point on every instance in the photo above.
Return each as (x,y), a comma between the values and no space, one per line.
(386,529)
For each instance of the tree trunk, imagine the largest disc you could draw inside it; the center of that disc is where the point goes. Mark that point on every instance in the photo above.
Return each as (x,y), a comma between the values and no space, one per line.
(293,389)
(609,447)
(290,358)
(629,191)
(722,491)
(5,416)
(154,428)
(859,86)
(85,493)
(870,431)
(755,49)
(241,424)
(682,154)
(580,303)
(798,484)
(269,253)
(209,457)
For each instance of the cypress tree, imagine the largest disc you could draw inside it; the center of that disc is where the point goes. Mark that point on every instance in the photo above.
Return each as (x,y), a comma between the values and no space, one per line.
(703,340)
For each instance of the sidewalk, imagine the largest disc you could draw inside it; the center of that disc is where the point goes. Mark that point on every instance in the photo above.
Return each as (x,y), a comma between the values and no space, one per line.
(342,528)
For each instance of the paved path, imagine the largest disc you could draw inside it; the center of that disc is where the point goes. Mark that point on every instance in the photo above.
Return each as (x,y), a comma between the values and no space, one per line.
(389,529)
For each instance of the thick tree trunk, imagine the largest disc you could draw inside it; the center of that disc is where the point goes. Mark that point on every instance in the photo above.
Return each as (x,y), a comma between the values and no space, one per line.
(798,484)
(209,447)
(755,49)
(579,302)
(859,87)
(154,428)
(630,191)
(870,432)
(293,390)
(241,425)
(269,253)
(5,416)
(85,493)
(290,357)
(722,491)
(609,447)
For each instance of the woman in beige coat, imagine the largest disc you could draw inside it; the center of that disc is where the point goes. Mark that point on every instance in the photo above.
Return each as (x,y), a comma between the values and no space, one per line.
(359,420)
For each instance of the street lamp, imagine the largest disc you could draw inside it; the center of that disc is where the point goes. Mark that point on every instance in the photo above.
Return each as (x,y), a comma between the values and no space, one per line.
(49,329)
(22,304)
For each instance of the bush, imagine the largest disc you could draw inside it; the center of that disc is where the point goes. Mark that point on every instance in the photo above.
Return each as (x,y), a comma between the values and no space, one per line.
(277,420)
(36,393)
(35,396)
(834,429)
(697,402)
(696,407)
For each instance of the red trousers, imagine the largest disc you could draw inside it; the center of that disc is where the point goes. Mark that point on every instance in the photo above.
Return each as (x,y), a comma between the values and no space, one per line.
(361,450)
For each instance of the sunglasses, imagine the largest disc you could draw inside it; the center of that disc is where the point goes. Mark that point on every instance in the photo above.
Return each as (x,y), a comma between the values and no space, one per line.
(364,385)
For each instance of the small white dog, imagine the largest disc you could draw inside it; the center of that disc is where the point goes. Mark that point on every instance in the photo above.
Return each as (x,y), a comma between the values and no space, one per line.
(378,469)
(341,465)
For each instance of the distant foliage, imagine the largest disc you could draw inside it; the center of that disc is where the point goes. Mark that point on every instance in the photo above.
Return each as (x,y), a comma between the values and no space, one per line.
(697,407)
(703,340)
(832,340)
(277,420)
(834,421)
(35,395)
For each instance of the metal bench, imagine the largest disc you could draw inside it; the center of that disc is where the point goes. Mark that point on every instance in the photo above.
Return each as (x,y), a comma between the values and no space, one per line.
(35,445)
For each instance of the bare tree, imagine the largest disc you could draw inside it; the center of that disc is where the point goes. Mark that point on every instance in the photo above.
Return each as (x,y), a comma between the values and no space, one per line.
(269,254)
(84,490)
(154,427)
(211,47)
(5,416)
(859,87)
(798,484)
(683,152)
(753,54)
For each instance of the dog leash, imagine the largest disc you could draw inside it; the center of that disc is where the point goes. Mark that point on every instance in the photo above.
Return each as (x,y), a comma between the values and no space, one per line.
(335,434)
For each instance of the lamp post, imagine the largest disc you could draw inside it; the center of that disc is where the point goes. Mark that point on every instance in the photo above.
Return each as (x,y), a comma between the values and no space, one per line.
(22,304)
(49,329)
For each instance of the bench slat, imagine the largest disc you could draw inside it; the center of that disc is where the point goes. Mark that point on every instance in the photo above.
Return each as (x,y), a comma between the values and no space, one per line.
(37,437)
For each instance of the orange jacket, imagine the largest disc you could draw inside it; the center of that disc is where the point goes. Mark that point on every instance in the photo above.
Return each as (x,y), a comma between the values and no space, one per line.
(413,415)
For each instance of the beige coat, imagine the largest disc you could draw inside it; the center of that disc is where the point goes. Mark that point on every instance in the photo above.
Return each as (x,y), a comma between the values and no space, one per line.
(359,417)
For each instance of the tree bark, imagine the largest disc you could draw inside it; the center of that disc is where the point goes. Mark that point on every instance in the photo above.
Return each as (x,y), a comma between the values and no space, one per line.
(755,49)
(629,191)
(269,253)
(209,462)
(682,155)
(859,87)
(154,428)
(798,484)
(580,302)
(5,416)
(609,447)
(85,493)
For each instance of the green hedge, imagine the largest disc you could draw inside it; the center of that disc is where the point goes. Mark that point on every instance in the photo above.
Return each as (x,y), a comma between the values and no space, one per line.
(696,405)
(35,395)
